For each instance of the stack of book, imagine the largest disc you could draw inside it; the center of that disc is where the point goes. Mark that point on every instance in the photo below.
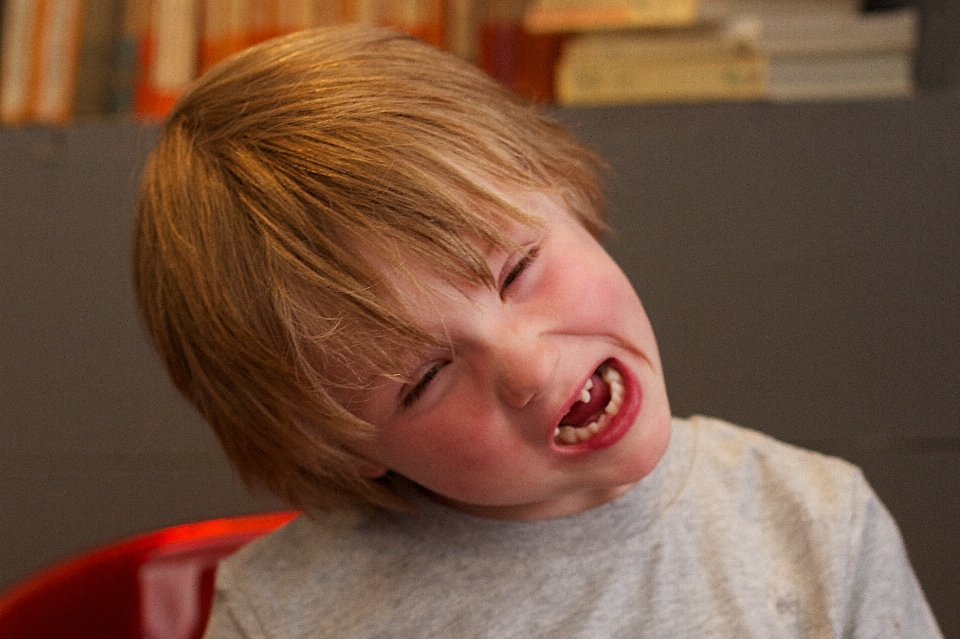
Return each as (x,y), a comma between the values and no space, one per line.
(61,59)
(841,56)
(641,51)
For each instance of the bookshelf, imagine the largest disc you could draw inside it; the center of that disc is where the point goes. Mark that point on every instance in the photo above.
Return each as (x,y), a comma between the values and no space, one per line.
(798,262)
(115,30)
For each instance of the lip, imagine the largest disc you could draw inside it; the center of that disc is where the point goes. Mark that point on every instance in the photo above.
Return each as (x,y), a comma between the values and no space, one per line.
(618,426)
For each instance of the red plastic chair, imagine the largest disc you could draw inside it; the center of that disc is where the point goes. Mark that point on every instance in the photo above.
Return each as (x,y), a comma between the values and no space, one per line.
(155,586)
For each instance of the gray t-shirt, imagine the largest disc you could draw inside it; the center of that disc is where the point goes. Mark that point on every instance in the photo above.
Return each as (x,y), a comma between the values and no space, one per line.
(733,535)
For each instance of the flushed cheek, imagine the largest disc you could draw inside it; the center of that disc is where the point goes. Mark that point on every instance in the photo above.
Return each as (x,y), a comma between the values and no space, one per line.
(607,303)
(596,287)
(466,463)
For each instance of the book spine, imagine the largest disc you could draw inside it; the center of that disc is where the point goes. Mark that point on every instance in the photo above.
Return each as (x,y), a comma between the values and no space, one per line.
(365,11)
(227,28)
(519,59)
(99,34)
(855,76)
(297,15)
(557,16)
(126,83)
(425,19)
(324,13)
(20,20)
(260,20)
(463,29)
(57,62)
(168,57)
(599,81)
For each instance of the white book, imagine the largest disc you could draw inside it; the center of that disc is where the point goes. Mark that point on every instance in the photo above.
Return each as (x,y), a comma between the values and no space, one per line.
(793,34)
(723,10)
(849,76)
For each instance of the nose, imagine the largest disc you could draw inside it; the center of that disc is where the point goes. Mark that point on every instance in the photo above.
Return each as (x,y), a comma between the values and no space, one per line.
(526,364)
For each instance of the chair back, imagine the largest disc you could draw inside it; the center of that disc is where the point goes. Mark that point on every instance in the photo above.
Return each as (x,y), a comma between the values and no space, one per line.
(154,586)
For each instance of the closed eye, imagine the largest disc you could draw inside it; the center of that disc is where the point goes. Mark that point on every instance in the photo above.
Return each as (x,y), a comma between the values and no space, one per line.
(414,393)
(518,269)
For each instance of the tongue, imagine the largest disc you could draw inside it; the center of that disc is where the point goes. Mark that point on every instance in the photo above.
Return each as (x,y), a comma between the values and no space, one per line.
(582,414)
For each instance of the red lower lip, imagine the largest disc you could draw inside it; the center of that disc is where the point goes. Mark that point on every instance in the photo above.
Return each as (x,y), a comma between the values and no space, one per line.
(621,422)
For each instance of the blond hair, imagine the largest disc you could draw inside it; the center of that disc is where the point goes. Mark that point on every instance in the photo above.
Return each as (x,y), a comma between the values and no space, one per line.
(281,186)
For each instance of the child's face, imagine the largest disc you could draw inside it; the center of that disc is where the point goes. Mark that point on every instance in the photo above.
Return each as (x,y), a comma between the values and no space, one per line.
(496,427)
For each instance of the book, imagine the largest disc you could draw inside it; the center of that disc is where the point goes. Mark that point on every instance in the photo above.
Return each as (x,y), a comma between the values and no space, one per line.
(19,41)
(39,60)
(846,76)
(719,12)
(95,75)
(425,19)
(296,15)
(127,65)
(809,33)
(662,66)
(167,57)
(56,61)
(838,53)
(228,27)
(365,11)
(463,29)
(836,56)
(509,52)
(553,16)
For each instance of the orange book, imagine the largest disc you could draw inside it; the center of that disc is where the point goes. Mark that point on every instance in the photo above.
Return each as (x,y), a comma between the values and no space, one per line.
(293,15)
(424,19)
(20,35)
(463,28)
(263,20)
(56,61)
(521,60)
(556,16)
(228,27)
(365,11)
(298,15)
(168,57)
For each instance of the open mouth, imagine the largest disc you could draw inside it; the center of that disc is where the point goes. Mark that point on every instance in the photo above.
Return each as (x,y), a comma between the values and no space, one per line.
(600,399)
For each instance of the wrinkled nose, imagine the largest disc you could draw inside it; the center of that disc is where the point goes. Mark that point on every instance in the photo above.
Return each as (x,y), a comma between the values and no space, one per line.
(526,365)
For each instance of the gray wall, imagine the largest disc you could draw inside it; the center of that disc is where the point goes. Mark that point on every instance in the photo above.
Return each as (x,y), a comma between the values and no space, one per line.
(799,263)
(94,442)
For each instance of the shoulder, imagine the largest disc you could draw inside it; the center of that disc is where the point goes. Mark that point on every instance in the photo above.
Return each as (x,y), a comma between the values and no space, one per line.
(293,548)
(270,582)
(748,479)
(756,461)
(805,526)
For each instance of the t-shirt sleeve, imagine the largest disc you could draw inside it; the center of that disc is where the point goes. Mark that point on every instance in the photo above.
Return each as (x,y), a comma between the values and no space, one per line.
(885,597)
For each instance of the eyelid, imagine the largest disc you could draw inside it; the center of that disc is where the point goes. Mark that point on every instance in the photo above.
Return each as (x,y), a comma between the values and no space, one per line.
(410,397)
(517,269)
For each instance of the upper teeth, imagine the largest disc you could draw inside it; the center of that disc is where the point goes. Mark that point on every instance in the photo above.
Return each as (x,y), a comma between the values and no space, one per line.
(585,393)
(572,434)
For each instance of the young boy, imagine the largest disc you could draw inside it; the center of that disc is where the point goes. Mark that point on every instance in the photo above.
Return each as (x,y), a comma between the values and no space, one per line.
(377,277)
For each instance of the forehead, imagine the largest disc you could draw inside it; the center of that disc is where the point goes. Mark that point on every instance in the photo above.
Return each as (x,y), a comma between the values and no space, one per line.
(425,292)
(416,272)
(411,279)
